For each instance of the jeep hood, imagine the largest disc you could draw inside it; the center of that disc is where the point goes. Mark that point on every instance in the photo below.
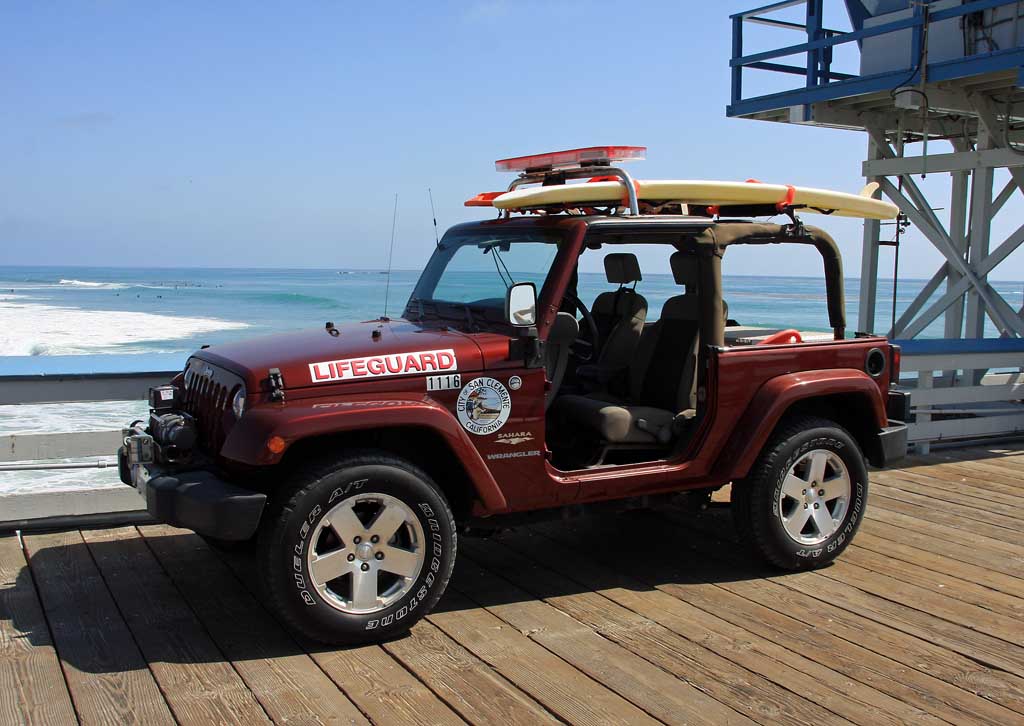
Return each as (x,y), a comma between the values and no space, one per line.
(358,352)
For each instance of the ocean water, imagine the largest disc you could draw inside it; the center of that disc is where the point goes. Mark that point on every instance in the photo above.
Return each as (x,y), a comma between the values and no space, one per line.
(76,311)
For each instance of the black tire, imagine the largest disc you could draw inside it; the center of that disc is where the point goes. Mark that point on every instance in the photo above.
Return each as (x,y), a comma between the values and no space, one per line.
(756,507)
(290,525)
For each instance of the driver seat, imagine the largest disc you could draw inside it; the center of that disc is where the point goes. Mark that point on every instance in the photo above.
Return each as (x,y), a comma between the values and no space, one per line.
(662,377)
(619,314)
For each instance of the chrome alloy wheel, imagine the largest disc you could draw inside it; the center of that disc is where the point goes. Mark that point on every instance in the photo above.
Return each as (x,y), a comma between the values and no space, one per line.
(366,553)
(815,496)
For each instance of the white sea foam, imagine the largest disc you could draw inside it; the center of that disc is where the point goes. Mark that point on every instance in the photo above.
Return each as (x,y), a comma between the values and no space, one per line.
(94,285)
(36,329)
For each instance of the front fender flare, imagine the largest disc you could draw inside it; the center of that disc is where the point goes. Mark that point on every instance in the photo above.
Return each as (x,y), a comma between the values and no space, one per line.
(298,420)
(777,396)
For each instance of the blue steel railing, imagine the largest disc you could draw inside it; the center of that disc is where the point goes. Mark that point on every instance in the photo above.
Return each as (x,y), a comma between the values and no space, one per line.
(821,83)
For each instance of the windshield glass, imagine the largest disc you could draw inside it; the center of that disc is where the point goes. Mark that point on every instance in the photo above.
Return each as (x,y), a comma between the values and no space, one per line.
(469,273)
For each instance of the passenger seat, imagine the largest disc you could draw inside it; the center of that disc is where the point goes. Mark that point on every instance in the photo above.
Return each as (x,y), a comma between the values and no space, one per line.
(619,314)
(662,376)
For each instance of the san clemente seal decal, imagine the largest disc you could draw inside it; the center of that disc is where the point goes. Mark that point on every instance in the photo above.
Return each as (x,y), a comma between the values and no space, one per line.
(483,406)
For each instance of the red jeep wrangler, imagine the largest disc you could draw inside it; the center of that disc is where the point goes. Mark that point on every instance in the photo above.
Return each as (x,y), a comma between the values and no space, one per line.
(352,455)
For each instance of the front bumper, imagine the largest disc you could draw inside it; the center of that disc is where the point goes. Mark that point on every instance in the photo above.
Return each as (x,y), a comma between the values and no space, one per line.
(892,441)
(198,500)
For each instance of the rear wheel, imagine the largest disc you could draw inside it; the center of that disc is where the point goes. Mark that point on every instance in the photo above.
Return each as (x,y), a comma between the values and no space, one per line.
(361,550)
(805,496)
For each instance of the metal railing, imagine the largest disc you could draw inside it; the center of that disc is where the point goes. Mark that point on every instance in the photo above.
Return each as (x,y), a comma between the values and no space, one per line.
(954,398)
(24,452)
(821,83)
(71,388)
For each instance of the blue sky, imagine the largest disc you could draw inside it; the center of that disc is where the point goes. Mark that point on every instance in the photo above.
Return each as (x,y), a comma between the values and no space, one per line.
(273,134)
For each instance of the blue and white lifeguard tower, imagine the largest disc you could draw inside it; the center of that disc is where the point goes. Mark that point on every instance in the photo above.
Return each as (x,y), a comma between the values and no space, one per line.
(938,91)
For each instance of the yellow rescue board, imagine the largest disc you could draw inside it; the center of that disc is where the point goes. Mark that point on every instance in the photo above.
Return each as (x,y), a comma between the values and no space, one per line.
(700,192)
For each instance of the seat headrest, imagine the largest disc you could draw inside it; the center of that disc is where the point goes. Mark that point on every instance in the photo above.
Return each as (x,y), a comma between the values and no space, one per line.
(622,268)
(684,270)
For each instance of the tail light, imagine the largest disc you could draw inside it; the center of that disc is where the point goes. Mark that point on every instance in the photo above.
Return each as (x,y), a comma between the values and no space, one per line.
(895,358)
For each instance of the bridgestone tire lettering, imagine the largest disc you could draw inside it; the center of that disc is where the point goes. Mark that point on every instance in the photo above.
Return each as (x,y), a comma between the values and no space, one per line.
(755,500)
(312,492)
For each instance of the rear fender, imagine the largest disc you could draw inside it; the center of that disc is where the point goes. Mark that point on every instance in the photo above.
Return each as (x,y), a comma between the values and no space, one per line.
(248,441)
(779,395)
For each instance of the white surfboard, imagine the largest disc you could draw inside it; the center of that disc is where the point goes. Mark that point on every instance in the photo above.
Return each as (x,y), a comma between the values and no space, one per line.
(702,192)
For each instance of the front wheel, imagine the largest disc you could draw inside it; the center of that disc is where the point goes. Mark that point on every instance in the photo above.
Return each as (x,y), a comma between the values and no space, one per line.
(362,549)
(805,496)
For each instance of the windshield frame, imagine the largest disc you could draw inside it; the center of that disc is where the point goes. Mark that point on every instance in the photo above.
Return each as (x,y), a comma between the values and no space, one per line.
(568,239)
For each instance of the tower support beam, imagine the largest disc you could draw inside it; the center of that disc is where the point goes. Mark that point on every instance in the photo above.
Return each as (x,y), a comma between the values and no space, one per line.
(958,236)
(979,238)
(957,291)
(940,163)
(869,262)
(974,279)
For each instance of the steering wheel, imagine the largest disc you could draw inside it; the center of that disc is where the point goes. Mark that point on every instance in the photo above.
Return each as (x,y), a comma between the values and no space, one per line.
(585,350)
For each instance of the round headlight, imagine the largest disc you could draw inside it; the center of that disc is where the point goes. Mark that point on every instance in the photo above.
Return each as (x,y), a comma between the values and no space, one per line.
(238,402)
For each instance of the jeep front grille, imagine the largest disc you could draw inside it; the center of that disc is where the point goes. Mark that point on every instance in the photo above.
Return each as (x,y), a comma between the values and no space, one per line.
(208,393)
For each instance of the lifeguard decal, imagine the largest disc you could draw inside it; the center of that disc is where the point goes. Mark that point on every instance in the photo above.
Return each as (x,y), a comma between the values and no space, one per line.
(379,366)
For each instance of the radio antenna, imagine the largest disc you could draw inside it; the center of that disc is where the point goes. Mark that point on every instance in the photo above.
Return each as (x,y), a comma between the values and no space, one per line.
(437,240)
(391,252)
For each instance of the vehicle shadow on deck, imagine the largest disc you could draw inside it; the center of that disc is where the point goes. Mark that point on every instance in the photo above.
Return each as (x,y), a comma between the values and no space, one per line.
(20,620)
(215,611)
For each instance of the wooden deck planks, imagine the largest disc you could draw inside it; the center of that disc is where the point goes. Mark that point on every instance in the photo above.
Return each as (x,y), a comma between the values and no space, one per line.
(997,524)
(106,674)
(614,613)
(965,485)
(647,617)
(381,687)
(660,694)
(987,562)
(32,688)
(936,581)
(200,687)
(282,677)
(879,690)
(557,685)
(919,650)
(867,651)
(464,681)
(929,555)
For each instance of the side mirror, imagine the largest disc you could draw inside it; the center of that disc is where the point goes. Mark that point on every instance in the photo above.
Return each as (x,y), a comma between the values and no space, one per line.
(521,305)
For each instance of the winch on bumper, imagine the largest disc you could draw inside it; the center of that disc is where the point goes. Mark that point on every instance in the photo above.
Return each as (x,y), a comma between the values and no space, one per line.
(182,495)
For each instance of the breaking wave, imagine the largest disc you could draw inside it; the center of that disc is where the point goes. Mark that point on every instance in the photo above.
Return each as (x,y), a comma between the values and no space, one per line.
(94,285)
(36,329)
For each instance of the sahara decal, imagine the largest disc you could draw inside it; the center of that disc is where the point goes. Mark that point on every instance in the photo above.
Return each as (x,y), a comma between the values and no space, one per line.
(514,438)
(380,366)
(483,406)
